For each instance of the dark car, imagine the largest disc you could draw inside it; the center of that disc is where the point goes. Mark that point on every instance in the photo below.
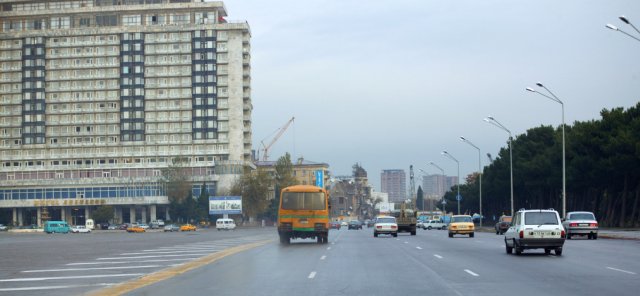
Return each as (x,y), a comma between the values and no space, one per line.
(355,225)
(503,224)
(123,226)
(371,223)
(334,225)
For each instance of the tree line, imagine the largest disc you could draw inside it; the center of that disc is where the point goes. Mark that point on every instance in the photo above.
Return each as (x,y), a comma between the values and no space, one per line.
(602,171)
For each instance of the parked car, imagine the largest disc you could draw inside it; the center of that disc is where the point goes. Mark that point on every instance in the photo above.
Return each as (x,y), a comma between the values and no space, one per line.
(80,229)
(503,224)
(3,227)
(434,224)
(461,224)
(385,225)
(371,223)
(334,225)
(171,228)
(581,223)
(112,227)
(143,226)
(123,226)
(344,223)
(225,224)
(420,224)
(355,224)
(188,227)
(135,228)
(535,229)
(154,225)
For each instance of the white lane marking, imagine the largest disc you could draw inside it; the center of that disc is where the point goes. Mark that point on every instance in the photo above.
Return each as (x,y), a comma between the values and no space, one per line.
(54,287)
(123,262)
(437,256)
(406,242)
(329,248)
(171,252)
(419,248)
(140,257)
(397,239)
(471,272)
(71,277)
(333,243)
(323,257)
(620,270)
(312,275)
(91,268)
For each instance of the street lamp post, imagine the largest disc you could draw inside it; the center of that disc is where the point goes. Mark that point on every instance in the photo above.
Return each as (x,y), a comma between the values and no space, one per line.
(626,21)
(479,174)
(446,154)
(494,122)
(444,203)
(564,175)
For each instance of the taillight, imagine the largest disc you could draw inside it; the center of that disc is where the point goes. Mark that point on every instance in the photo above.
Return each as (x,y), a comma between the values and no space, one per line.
(521,234)
(379,227)
(573,224)
(562,234)
(594,224)
(394,227)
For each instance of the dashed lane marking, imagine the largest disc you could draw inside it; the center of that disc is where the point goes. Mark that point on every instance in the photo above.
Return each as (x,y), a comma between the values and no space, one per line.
(91,268)
(172,252)
(621,270)
(312,275)
(159,256)
(419,248)
(328,248)
(406,242)
(70,277)
(437,256)
(471,272)
(323,257)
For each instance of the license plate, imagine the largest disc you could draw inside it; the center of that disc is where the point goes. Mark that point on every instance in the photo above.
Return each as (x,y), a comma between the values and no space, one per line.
(583,224)
(303,221)
(541,234)
(463,227)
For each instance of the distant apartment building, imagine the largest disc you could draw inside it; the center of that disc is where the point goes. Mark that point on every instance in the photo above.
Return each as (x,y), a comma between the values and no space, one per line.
(98,97)
(394,182)
(435,186)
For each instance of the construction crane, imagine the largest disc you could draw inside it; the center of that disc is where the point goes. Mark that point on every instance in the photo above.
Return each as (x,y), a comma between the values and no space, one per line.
(279,132)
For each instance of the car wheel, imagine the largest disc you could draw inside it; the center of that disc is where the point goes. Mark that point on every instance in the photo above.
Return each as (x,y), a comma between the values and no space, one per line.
(444,227)
(429,228)
(547,251)
(518,249)
(497,232)
(559,252)
(450,234)
(509,249)
(595,236)
(568,236)
(395,235)
(375,234)
(471,234)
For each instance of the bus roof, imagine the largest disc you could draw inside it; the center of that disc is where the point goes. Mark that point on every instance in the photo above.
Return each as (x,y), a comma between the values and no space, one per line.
(303,188)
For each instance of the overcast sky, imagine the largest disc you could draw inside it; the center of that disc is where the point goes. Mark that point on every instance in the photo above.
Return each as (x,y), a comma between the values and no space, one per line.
(388,84)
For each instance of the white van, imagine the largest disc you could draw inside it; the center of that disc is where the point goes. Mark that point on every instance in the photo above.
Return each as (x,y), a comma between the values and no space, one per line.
(89,224)
(227,224)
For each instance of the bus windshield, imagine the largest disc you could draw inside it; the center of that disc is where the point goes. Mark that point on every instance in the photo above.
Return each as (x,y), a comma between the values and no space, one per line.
(303,201)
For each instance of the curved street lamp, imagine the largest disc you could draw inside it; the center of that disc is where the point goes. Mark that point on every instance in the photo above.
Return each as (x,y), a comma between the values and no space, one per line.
(444,203)
(564,175)
(446,154)
(479,173)
(626,21)
(499,125)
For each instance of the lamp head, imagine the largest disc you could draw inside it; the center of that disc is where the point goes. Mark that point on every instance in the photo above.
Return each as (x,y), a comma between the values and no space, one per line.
(624,19)
(531,89)
(444,152)
(462,138)
(539,84)
(612,27)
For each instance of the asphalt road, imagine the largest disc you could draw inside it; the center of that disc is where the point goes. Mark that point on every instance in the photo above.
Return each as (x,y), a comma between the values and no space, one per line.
(353,263)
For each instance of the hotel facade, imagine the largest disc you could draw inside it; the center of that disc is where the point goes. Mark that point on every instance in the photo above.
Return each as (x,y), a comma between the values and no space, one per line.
(99,97)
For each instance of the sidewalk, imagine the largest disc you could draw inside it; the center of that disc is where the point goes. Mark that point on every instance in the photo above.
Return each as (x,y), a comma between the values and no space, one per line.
(630,233)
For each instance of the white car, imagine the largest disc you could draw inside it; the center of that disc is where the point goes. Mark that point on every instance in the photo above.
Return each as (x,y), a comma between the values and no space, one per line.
(434,224)
(3,227)
(385,225)
(535,229)
(226,224)
(158,222)
(143,226)
(582,224)
(80,229)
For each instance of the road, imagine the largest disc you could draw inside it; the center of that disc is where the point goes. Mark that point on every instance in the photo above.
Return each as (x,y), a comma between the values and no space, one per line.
(353,263)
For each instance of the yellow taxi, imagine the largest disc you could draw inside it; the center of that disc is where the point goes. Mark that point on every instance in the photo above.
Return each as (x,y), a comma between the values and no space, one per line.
(135,228)
(461,224)
(188,227)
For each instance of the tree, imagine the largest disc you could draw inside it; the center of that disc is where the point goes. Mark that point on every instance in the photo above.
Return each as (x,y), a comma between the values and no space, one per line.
(254,187)
(176,181)
(420,199)
(203,203)
(103,214)
(283,178)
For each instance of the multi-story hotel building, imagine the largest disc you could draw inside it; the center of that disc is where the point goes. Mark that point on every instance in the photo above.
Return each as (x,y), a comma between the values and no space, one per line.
(394,182)
(97,97)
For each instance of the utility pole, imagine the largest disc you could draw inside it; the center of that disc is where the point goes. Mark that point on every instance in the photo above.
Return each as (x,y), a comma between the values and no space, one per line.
(412,185)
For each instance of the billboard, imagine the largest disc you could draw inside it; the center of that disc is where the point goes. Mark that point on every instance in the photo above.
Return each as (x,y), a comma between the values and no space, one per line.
(220,205)
(319,178)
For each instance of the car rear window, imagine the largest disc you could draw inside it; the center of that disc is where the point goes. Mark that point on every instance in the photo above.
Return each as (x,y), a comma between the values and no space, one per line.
(540,218)
(386,220)
(461,219)
(582,216)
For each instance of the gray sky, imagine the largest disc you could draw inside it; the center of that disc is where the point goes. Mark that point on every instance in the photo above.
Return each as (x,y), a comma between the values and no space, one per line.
(393,83)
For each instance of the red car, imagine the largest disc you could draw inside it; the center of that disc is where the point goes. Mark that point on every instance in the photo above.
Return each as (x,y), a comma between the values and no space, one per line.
(334,225)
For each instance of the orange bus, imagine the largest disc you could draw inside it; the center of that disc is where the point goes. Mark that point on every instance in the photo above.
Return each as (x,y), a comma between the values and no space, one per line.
(303,213)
